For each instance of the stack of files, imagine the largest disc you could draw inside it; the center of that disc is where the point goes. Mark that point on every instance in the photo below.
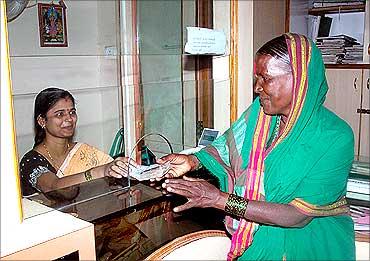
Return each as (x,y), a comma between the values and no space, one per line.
(361,218)
(353,54)
(333,48)
(328,3)
(358,185)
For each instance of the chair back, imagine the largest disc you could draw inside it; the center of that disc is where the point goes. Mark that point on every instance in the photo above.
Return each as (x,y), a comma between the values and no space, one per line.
(201,245)
(118,146)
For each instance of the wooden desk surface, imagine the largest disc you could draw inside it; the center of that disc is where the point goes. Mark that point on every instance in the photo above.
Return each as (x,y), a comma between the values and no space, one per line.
(137,234)
(131,225)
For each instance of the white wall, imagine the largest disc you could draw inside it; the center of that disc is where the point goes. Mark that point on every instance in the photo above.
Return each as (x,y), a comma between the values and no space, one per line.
(81,68)
(245,54)
(299,16)
(351,24)
(221,70)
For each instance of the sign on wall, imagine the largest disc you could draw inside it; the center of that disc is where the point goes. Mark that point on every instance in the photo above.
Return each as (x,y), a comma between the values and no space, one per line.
(52,25)
(205,41)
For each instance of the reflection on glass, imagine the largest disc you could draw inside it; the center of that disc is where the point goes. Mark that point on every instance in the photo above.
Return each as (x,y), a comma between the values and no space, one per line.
(98,198)
(161,67)
(164,117)
(87,68)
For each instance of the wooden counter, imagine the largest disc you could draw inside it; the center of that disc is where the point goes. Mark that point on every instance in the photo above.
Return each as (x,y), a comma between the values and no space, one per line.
(131,225)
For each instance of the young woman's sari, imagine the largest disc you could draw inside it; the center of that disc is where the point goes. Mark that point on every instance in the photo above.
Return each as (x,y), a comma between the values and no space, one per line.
(306,166)
(82,157)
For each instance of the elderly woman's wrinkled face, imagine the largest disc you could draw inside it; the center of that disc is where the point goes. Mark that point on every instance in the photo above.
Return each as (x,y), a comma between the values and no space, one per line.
(274,85)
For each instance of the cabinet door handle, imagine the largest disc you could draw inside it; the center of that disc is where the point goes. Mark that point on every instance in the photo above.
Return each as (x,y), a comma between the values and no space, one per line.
(364,111)
(368,83)
(355,83)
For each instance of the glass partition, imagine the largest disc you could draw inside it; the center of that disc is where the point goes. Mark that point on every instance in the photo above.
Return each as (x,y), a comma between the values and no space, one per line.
(97,110)
(100,77)
(174,118)
(88,67)
(97,198)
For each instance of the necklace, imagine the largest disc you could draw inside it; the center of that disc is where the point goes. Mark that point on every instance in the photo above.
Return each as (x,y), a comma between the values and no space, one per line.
(51,158)
(275,133)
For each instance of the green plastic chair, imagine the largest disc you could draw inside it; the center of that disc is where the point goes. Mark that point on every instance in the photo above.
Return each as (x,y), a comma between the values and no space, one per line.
(118,146)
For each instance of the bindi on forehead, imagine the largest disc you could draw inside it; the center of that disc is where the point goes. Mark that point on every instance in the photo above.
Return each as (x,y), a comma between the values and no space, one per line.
(63,104)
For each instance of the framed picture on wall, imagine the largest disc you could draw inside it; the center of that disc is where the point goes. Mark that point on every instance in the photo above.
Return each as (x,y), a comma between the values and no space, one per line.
(52,25)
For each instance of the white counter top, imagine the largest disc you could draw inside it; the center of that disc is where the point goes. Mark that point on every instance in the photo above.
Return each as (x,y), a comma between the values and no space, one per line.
(38,228)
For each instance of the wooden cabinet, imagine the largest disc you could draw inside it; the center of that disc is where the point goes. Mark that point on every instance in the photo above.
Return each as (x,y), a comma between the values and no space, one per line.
(266,29)
(348,97)
(364,116)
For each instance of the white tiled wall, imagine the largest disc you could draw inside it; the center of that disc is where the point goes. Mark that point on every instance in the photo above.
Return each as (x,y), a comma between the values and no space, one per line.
(92,77)
(81,68)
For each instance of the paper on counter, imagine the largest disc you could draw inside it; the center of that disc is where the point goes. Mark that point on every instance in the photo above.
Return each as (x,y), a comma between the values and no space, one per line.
(149,172)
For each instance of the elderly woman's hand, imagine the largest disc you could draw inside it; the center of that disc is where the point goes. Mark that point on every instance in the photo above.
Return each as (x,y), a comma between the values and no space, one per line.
(118,167)
(180,164)
(199,193)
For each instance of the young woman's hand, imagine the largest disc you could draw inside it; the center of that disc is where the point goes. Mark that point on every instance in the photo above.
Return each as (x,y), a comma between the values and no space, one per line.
(118,168)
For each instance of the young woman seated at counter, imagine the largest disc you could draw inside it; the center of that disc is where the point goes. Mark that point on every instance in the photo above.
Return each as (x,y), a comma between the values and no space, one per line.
(56,161)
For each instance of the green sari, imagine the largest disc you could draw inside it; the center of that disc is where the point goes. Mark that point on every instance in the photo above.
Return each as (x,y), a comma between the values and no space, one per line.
(307,167)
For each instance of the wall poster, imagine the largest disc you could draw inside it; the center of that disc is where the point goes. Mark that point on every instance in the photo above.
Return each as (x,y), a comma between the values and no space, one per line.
(52,25)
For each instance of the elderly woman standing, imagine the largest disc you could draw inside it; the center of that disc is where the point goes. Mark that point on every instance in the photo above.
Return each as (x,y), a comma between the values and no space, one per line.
(282,166)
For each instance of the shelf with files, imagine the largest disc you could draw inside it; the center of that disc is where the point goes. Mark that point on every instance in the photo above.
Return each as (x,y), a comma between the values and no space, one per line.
(359,211)
(358,185)
(321,20)
(358,198)
(319,11)
(358,202)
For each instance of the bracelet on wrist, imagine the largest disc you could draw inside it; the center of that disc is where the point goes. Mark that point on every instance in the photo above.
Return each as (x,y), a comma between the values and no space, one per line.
(236,205)
(88,175)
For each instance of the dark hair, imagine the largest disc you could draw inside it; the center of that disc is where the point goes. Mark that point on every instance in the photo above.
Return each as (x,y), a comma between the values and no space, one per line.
(276,48)
(46,99)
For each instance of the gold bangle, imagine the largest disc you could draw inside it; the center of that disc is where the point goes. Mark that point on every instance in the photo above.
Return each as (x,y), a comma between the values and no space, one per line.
(236,205)
(88,175)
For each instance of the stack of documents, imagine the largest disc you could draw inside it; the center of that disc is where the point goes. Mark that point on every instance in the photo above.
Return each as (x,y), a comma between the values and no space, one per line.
(361,218)
(329,3)
(358,186)
(340,49)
